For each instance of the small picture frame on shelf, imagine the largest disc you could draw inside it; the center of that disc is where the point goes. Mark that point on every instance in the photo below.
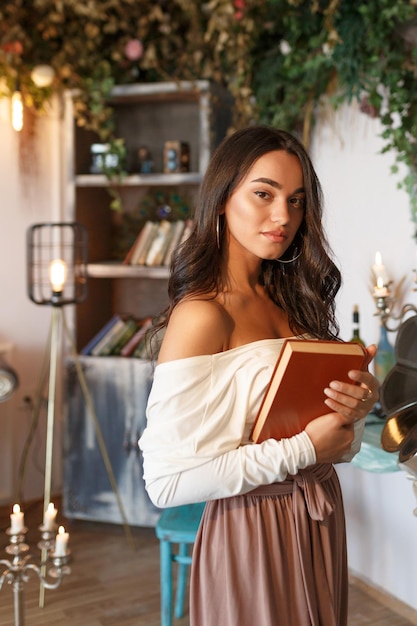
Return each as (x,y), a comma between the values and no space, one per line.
(176,157)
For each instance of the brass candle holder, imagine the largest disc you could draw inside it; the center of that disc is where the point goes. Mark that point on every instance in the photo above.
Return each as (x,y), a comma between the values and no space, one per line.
(384,305)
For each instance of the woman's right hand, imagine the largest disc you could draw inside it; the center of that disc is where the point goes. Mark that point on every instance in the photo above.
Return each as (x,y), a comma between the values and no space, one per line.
(331,435)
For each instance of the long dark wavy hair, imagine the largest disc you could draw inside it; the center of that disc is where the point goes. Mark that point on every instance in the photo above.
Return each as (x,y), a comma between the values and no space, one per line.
(305,288)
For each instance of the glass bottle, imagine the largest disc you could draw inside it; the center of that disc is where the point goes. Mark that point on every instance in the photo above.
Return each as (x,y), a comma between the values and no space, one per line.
(356,337)
(385,357)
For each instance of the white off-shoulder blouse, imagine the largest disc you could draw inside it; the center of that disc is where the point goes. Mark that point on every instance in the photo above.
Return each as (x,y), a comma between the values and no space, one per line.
(200,412)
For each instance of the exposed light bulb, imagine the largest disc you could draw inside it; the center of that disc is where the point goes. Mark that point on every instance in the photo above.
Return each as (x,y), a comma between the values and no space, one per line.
(42,75)
(17,111)
(57,274)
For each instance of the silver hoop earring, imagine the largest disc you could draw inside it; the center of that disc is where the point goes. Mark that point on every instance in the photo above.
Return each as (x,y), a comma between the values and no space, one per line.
(218,232)
(298,249)
(297,256)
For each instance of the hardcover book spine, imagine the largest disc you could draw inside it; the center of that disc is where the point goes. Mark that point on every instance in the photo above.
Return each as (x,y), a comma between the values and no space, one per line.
(121,336)
(96,351)
(141,242)
(133,342)
(175,239)
(87,350)
(157,246)
(130,329)
(142,255)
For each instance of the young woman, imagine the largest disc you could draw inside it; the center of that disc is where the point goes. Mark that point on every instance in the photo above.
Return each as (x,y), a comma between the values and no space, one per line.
(256,269)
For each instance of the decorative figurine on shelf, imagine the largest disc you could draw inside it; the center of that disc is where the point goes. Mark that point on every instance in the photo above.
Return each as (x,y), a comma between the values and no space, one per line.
(145,160)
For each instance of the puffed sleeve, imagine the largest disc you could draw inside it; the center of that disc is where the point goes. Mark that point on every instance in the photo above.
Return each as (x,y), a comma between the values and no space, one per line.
(195,445)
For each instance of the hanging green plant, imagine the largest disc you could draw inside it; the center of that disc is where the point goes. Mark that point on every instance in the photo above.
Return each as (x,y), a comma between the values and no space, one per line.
(296,52)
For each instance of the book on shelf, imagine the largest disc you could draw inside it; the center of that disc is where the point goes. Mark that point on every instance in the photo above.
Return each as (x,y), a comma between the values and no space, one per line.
(113,331)
(100,335)
(114,328)
(133,342)
(173,236)
(118,339)
(142,350)
(151,232)
(156,241)
(139,244)
(130,329)
(295,392)
(159,243)
(128,258)
(174,239)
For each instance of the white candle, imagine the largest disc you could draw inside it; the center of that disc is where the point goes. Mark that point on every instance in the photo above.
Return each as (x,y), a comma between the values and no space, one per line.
(16,520)
(380,290)
(61,542)
(379,269)
(49,517)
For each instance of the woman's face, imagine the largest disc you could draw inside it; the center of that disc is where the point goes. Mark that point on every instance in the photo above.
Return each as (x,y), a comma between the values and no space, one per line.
(266,209)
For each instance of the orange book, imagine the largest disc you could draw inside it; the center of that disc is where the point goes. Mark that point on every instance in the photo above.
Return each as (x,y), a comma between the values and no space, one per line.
(295,393)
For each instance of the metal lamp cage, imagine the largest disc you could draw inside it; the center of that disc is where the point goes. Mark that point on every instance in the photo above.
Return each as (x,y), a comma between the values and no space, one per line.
(48,242)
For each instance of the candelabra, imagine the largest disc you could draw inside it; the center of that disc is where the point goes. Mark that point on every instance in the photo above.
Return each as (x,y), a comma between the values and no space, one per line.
(50,571)
(384,302)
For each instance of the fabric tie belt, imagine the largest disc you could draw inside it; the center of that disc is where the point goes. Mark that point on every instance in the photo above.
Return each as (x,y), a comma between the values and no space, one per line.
(308,486)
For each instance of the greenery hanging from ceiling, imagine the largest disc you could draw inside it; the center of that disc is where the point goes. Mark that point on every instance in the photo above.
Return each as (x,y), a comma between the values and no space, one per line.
(279,58)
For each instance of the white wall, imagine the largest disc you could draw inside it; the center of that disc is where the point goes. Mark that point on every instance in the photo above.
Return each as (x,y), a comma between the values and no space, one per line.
(25,200)
(365,212)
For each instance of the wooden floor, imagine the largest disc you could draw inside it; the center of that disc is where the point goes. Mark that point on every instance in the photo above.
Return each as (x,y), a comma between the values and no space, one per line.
(114,584)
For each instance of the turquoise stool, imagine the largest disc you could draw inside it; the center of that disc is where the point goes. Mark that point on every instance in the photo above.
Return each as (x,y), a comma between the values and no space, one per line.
(177,525)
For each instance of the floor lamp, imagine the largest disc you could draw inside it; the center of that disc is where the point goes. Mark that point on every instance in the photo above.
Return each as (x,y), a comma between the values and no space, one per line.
(56,277)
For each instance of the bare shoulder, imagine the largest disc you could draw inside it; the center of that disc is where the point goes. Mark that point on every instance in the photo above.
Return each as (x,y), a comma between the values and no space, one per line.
(196,327)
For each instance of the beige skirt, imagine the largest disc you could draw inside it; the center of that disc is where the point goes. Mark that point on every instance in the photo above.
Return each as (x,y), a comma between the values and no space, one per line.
(273,557)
